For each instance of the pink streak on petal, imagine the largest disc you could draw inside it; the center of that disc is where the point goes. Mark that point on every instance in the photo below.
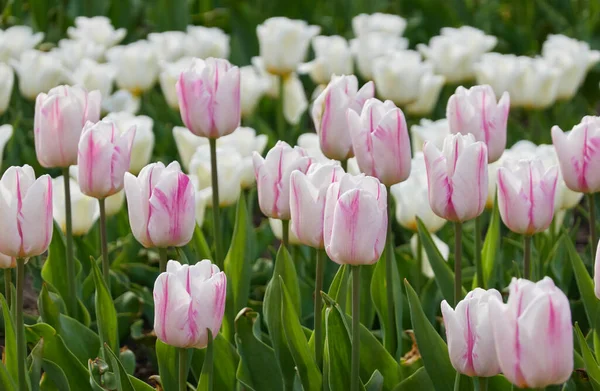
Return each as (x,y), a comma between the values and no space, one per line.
(470,343)
(19,213)
(162,310)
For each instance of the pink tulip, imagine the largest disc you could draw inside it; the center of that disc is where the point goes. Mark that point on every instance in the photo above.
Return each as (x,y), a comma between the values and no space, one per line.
(188,300)
(330,118)
(380,141)
(533,334)
(469,334)
(475,111)
(59,119)
(355,220)
(25,212)
(578,154)
(273,178)
(457,177)
(103,159)
(526,196)
(307,201)
(161,204)
(209,97)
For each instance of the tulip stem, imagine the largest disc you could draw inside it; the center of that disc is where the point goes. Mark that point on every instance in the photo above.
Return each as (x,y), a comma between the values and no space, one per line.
(163,258)
(344,164)
(285,233)
(480,383)
(103,243)
(280,112)
(592,220)
(318,304)
(478,266)
(390,332)
(457,262)
(214,176)
(527,256)
(21,346)
(355,369)
(7,285)
(183,369)
(72,299)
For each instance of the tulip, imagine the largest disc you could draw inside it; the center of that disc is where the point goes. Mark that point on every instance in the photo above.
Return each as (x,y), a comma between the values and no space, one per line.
(71,52)
(169,45)
(253,85)
(168,79)
(332,57)
(536,83)
(85,210)
(188,300)
(114,203)
(273,178)
(59,119)
(6,132)
(469,333)
(329,114)
(245,141)
(7,80)
(500,71)
(380,141)
(271,81)
(430,87)
(565,197)
(307,201)
(294,99)
(122,101)
(17,39)
(283,43)
(209,97)
(97,29)
(378,22)
(533,334)
(475,111)
(428,131)
(310,143)
(161,204)
(442,247)
(136,65)
(38,72)
(372,45)
(94,76)
(143,142)
(205,42)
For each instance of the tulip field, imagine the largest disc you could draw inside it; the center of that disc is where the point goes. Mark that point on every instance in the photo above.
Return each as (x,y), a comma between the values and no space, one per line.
(264,196)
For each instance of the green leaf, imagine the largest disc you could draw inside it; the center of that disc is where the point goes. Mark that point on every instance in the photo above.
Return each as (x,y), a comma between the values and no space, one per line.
(5,379)
(127,358)
(139,385)
(339,351)
(591,366)
(167,358)
(200,244)
(337,289)
(106,315)
(375,383)
(123,383)
(206,377)
(10,338)
(80,340)
(228,359)
(584,282)
(36,361)
(51,305)
(419,380)
(54,378)
(490,246)
(432,347)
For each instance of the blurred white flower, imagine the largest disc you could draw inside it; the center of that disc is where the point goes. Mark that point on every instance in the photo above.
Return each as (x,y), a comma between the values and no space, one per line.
(121,101)
(271,81)
(310,143)
(7,81)
(425,265)
(500,71)
(95,76)
(368,47)
(353,166)
(72,52)
(429,131)
(204,42)
(253,85)
(168,78)
(277,229)
(229,162)
(39,72)
(84,208)
(536,85)
(136,65)
(143,143)
(6,132)
(187,143)
(430,87)
(294,99)
(332,57)
(97,29)
(113,204)
(386,23)
(201,201)
(15,40)
(398,74)
(169,45)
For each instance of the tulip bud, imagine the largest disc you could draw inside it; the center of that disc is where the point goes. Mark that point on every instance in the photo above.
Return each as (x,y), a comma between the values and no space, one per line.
(273,178)
(103,158)
(6,132)
(428,131)
(533,334)
(205,42)
(332,57)
(136,65)
(97,29)
(380,141)
(94,76)
(38,72)
(430,87)
(475,111)
(188,300)
(329,114)
(469,333)
(457,177)
(209,97)
(355,220)
(16,40)
(168,79)
(25,212)
(59,119)
(161,203)
(7,80)
(143,142)
(121,101)
(307,201)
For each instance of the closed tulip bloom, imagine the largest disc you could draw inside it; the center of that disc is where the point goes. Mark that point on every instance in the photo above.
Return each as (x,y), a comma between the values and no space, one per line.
(457,177)
(38,72)
(103,158)
(475,111)
(355,220)
(161,203)
(273,178)
(430,87)
(113,203)
(97,29)
(59,119)
(379,22)
(329,114)
(380,141)
(7,80)
(17,39)
(209,97)
(428,131)
(168,77)
(85,209)
(205,42)
(307,201)
(136,65)
(121,101)
(143,142)
(95,76)
(469,333)
(332,57)
(25,212)
(372,45)
(188,300)
(533,334)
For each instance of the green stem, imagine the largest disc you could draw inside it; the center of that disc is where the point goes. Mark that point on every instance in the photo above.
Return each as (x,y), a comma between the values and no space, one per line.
(419,259)
(214,176)
(163,259)
(8,285)
(592,220)
(285,233)
(182,369)
(390,329)
(527,256)
(344,164)
(318,304)
(72,297)
(480,383)
(280,115)
(21,345)
(457,262)
(478,266)
(104,244)
(355,369)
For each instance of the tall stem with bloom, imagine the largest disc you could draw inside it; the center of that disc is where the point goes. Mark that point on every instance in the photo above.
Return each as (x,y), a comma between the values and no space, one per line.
(527,256)
(285,233)
(355,366)
(21,345)
(104,243)
(182,369)
(215,201)
(480,383)
(280,111)
(592,220)
(318,305)
(457,262)
(390,332)
(163,258)
(419,259)
(7,285)
(478,266)
(72,298)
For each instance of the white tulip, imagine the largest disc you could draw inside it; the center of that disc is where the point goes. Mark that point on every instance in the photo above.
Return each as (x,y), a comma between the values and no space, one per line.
(425,265)
(204,42)
(169,45)
(201,201)
(168,78)
(229,162)
(136,65)
(143,143)
(16,40)
(95,76)
(187,143)
(429,92)
(84,208)
(332,57)
(71,52)
(97,29)
(7,81)
(294,99)
(310,143)
(500,71)
(386,23)
(536,85)
(6,132)
(253,85)
(39,72)
(271,81)
(397,76)
(121,101)
(368,47)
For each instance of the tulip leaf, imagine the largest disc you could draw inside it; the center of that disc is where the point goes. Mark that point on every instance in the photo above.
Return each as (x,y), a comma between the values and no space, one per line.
(367,310)
(6,381)
(139,385)
(106,314)
(337,289)
(228,359)
(498,383)
(584,282)
(375,383)
(36,360)
(167,358)
(490,246)
(121,377)
(339,351)
(50,305)
(419,380)
(432,347)
(80,340)
(201,246)
(54,377)
(591,366)
(204,384)
(10,338)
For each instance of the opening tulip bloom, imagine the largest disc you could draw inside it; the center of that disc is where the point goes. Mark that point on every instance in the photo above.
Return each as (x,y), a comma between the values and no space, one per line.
(380,141)
(209,97)
(475,111)
(104,156)
(161,203)
(469,334)
(526,195)
(533,334)
(457,177)
(25,212)
(188,300)
(59,119)
(355,220)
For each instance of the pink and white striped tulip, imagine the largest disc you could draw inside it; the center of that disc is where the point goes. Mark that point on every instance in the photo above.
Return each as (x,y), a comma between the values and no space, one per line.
(533,334)
(161,204)
(469,334)
(526,195)
(355,220)
(25,212)
(307,201)
(380,141)
(103,158)
(273,178)
(188,300)
(58,122)
(578,154)
(209,97)
(475,111)
(329,114)
(457,177)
